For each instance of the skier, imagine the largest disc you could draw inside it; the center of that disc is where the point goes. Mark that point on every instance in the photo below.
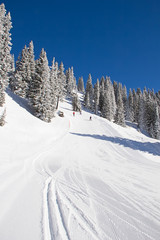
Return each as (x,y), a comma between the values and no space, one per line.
(73,114)
(90,118)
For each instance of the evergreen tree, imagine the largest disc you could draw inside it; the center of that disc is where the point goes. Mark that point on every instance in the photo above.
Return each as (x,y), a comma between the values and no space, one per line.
(53,87)
(139,95)
(41,89)
(115,87)
(21,83)
(31,67)
(109,105)
(155,129)
(106,109)
(101,95)
(130,111)
(124,98)
(61,79)
(96,96)
(12,73)
(113,101)
(135,106)
(89,93)
(119,117)
(70,81)
(76,102)
(81,85)
(141,123)
(5,48)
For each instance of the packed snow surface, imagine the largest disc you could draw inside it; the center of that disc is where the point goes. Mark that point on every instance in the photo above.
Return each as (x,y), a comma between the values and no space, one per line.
(76,179)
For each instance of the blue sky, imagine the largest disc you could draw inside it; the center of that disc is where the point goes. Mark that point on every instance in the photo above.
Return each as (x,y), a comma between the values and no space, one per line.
(118,38)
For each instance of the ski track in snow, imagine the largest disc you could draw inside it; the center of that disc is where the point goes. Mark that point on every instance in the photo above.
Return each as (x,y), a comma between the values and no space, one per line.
(93,188)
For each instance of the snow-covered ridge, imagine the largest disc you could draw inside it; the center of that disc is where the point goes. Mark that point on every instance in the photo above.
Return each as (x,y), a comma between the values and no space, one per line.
(76,179)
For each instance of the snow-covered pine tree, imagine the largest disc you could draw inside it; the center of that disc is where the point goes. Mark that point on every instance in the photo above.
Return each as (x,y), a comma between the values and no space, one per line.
(88,99)
(96,96)
(149,112)
(41,89)
(141,123)
(124,98)
(5,44)
(53,84)
(61,90)
(139,97)
(109,106)
(68,72)
(101,94)
(115,87)
(21,84)
(130,111)
(113,101)
(155,127)
(119,116)
(81,85)
(76,102)
(11,73)
(5,56)
(106,109)
(31,67)
(70,81)
(142,110)
(135,105)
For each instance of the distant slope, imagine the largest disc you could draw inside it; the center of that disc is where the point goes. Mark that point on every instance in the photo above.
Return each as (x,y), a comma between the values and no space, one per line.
(76,179)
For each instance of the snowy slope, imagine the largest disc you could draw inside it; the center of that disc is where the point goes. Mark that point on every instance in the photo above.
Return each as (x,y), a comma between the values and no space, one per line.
(76,179)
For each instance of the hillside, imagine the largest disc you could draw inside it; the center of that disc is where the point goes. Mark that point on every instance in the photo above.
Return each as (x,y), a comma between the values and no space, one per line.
(76,179)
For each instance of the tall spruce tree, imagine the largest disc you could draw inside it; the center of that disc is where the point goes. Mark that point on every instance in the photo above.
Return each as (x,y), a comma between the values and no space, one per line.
(130,110)
(124,98)
(106,109)
(88,99)
(96,96)
(31,67)
(101,95)
(5,56)
(109,105)
(155,127)
(119,116)
(141,123)
(76,102)
(41,89)
(70,81)
(11,73)
(61,79)
(22,74)
(53,87)
(81,85)
(115,87)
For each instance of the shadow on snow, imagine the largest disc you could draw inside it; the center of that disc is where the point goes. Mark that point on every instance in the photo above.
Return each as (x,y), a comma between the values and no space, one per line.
(152,148)
(20,101)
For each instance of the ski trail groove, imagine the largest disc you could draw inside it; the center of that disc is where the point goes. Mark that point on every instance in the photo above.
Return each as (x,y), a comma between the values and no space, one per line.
(53,223)
(83,220)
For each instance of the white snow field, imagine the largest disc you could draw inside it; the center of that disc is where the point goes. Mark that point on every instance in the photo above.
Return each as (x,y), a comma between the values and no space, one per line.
(75,179)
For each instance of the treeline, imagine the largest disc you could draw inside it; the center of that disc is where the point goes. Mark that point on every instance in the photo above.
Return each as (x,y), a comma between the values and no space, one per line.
(110,100)
(44,86)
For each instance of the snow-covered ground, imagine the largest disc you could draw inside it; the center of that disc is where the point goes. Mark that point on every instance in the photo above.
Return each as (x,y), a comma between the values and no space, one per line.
(76,179)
